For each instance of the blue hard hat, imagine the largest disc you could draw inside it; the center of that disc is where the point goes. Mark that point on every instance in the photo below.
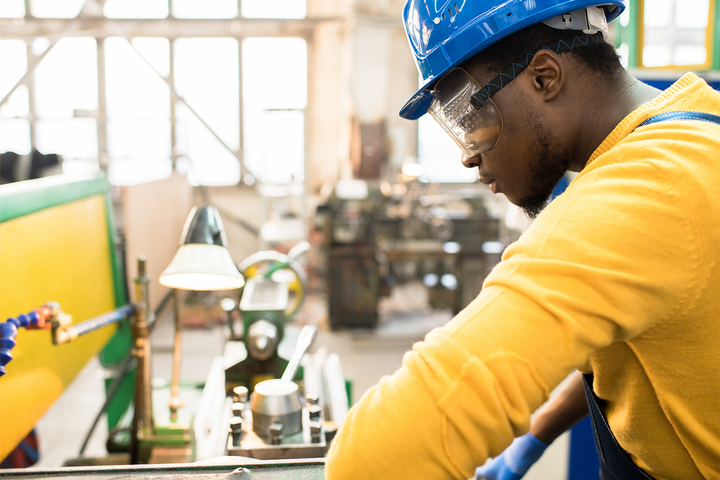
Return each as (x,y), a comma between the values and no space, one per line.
(445,33)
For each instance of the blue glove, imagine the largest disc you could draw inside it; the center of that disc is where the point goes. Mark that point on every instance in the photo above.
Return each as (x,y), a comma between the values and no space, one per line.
(515,461)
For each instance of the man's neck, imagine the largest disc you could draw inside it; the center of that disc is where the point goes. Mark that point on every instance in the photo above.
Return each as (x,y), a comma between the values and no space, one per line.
(620,97)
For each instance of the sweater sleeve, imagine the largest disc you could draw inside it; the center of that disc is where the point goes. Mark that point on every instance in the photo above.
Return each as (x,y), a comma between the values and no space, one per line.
(599,265)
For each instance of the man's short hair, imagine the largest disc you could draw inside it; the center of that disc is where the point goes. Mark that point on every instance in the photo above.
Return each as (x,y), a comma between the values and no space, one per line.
(599,58)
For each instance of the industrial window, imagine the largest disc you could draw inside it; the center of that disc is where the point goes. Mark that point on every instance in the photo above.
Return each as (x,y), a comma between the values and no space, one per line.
(675,33)
(205,9)
(65,91)
(12,8)
(137,109)
(136,8)
(206,76)
(159,99)
(274,8)
(274,101)
(14,126)
(55,9)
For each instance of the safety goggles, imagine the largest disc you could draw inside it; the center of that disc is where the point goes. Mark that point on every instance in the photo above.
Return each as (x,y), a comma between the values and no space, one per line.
(466,111)
(474,130)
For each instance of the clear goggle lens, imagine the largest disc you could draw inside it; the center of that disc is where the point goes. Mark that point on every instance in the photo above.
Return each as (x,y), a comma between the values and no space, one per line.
(474,131)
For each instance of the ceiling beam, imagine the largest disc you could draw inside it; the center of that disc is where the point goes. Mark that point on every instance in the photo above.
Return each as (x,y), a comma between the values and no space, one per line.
(29,28)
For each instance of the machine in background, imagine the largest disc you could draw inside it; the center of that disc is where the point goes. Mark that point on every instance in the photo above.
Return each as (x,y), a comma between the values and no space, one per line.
(379,236)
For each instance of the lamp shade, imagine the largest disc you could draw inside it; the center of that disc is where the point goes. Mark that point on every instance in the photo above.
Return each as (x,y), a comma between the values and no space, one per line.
(203,261)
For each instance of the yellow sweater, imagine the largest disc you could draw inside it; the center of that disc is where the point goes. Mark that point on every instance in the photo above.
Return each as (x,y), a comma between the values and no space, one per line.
(619,275)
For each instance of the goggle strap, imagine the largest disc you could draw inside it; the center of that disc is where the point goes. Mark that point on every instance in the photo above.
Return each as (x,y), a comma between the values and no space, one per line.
(481,97)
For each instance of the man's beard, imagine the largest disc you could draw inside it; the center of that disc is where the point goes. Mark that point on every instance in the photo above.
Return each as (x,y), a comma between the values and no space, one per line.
(547,166)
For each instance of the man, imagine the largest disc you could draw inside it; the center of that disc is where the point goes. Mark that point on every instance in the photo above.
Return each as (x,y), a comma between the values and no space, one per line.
(618,277)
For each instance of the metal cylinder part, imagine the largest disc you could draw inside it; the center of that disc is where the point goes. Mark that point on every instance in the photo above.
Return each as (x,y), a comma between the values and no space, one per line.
(263,339)
(237,408)
(315,432)
(236,430)
(240,394)
(276,401)
(315,412)
(312,399)
(276,430)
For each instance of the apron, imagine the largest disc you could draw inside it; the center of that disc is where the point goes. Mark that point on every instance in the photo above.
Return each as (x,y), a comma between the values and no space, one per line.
(615,463)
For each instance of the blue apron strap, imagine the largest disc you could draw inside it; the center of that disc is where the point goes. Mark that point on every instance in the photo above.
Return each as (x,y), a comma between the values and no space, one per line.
(681,115)
(615,463)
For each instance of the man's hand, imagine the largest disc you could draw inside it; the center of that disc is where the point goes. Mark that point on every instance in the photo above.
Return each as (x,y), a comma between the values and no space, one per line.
(515,461)
(560,413)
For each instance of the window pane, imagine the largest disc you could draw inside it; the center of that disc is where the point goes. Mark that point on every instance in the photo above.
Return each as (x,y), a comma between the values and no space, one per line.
(659,13)
(136,8)
(139,151)
(15,136)
(56,9)
(274,8)
(439,156)
(138,111)
(145,139)
(209,162)
(134,171)
(273,103)
(66,79)
(75,139)
(13,58)
(689,55)
(39,45)
(133,89)
(205,9)
(656,56)
(275,72)
(12,8)
(692,13)
(206,76)
(675,33)
(18,105)
(276,152)
(156,51)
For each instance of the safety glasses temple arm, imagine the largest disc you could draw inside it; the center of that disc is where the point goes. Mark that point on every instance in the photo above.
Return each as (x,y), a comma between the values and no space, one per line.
(516,68)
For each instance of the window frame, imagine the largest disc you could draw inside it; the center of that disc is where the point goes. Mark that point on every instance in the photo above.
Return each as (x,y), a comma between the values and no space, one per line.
(238,28)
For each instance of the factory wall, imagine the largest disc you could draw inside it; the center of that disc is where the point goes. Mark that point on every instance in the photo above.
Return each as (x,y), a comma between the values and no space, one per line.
(361,73)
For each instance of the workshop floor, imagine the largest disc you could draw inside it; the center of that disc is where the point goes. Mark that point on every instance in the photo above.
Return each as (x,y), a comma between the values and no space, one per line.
(366,356)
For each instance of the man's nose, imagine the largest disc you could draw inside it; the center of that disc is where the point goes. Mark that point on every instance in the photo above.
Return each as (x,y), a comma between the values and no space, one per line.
(471,162)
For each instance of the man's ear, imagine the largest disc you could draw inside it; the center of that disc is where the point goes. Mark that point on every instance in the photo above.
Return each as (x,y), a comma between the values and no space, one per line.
(547,72)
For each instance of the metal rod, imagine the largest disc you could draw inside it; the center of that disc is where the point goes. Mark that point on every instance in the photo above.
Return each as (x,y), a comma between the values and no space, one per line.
(241,105)
(75,331)
(175,402)
(101,123)
(128,364)
(142,418)
(173,118)
(305,340)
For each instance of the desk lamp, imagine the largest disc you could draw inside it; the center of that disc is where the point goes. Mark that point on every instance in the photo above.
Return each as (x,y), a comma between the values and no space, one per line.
(202,262)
